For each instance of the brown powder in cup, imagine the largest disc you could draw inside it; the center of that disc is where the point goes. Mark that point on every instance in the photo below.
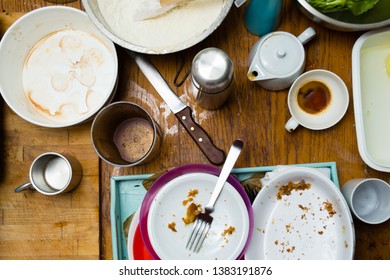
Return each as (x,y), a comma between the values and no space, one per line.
(133,139)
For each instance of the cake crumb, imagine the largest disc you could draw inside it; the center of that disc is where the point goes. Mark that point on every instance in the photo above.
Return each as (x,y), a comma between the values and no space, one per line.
(329,208)
(190,196)
(290,250)
(172,226)
(192,193)
(229,231)
(304,208)
(185,202)
(287,189)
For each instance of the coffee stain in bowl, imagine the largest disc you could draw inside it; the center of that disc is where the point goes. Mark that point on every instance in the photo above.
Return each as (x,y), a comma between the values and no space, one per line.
(134,138)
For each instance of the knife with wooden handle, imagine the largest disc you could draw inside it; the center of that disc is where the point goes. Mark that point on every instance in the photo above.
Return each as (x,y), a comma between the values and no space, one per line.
(181,110)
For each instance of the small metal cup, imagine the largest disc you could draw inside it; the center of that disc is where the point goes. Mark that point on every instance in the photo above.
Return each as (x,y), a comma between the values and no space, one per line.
(212,75)
(131,149)
(53,173)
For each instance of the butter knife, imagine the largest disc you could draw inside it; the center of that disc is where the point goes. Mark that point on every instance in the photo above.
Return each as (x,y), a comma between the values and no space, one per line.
(181,110)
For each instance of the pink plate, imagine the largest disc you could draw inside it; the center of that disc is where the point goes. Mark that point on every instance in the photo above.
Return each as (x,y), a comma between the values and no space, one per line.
(161,183)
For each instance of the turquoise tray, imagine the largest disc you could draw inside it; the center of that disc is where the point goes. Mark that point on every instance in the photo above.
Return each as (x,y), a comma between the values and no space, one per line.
(127,193)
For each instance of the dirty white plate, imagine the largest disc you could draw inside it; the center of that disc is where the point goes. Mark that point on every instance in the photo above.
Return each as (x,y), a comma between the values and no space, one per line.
(314,223)
(230,211)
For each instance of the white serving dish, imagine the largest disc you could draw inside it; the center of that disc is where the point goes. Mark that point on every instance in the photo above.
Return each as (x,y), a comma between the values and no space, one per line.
(371,94)
(306,224)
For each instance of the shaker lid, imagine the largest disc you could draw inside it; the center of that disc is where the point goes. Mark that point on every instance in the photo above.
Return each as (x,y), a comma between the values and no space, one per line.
(212,70)
(281,54)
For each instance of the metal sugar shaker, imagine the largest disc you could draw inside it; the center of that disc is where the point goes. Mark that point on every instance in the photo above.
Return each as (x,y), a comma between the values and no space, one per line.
(212,75)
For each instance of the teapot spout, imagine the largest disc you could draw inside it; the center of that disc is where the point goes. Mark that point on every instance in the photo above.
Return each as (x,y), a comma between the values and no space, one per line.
(256,74)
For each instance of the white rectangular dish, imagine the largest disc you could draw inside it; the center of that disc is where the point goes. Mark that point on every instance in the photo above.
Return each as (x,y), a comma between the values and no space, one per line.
(371,94)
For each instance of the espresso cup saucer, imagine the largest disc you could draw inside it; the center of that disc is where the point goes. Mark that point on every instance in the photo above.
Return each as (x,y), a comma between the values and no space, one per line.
(333,111)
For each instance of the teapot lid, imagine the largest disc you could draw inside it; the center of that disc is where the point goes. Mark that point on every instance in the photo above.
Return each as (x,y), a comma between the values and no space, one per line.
(281,54)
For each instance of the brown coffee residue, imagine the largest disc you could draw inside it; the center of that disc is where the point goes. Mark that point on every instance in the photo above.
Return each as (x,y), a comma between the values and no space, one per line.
(133,139)
(313,97)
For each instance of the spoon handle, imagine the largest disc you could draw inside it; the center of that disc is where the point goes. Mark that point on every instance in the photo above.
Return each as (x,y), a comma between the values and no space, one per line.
(231,159)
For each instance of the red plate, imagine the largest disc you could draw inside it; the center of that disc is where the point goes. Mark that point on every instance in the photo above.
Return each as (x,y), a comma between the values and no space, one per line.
(139,250)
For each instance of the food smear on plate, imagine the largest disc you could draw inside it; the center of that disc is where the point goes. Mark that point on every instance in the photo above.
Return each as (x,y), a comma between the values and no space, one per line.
(356,7)
(387,65)
(291,186)
(68,74)
(193,210)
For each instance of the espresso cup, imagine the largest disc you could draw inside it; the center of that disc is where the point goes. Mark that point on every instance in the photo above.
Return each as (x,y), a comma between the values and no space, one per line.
(124,134)
(368,199)
(317,99)
(53,173)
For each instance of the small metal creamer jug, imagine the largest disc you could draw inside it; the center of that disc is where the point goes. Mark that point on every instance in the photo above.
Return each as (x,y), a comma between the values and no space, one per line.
(212,75)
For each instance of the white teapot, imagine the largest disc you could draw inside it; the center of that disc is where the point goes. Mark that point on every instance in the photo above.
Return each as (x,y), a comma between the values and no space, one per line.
(278,58)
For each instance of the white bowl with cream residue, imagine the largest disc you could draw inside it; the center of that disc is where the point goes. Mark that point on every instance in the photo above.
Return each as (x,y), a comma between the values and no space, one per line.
(58,69)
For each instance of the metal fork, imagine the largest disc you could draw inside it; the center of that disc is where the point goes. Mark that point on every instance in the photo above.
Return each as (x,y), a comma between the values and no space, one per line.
(203,221)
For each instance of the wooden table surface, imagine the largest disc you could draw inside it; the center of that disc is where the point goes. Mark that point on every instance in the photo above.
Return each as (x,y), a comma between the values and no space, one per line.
(77,225)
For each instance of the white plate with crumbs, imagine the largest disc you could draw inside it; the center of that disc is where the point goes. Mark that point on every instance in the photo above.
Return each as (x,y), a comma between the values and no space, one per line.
(301,214)
(168,226)
(371,88)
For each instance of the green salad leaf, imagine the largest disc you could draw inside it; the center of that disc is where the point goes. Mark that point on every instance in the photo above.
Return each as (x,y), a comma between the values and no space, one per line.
(357,7)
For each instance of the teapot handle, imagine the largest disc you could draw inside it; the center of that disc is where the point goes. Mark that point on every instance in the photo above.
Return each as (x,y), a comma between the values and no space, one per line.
(307,35)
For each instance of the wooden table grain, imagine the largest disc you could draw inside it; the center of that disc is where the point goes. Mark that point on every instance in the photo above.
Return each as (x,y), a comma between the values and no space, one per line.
(252,113)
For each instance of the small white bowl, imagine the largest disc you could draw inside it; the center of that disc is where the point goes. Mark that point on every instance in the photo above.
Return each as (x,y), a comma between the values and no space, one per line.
(20,39)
